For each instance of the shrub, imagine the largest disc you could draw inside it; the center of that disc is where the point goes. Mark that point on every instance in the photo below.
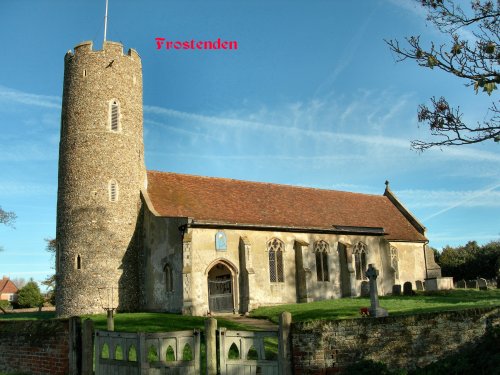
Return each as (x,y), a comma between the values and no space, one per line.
(4,304)
(30,296)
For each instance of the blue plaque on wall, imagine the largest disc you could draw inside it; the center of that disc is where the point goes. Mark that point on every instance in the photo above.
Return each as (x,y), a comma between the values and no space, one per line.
(220,241)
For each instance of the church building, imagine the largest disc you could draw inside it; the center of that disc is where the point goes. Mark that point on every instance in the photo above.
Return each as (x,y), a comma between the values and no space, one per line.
(145,240)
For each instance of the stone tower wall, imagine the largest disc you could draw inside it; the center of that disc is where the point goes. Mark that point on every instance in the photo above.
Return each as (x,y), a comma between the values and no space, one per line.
(102,234)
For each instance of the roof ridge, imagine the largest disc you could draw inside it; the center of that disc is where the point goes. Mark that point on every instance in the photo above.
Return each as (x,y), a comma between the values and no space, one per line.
(265,183)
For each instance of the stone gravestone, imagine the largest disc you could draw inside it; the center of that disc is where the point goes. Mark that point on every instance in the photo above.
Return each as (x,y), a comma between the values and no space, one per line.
(408,289)
(365,289)
(461,284)
(472,284)
(482,284)
(396,290)
(375,310)
(419,284)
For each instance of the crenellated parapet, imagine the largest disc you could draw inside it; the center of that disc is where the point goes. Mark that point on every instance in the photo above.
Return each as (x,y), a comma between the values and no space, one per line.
(108,47)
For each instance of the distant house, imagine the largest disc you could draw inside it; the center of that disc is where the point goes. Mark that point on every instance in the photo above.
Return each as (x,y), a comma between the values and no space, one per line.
(8,290)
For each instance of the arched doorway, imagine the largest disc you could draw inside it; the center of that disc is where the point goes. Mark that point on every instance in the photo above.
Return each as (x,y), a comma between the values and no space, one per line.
(220,288)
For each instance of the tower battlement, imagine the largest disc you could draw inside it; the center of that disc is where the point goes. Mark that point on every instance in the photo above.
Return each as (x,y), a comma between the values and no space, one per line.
(108,47)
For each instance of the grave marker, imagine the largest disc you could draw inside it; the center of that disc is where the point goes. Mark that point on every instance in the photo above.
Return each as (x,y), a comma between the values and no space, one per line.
(375,310)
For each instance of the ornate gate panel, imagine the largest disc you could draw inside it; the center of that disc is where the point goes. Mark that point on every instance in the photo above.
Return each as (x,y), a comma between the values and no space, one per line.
(245,353)
(169,353)
(220,295)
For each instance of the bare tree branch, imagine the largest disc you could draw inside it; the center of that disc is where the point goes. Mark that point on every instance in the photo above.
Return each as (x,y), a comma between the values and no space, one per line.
(475,60)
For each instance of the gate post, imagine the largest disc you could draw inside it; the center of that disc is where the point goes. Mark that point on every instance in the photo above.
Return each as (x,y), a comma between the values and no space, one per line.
(210,341)
(75,345)
(143,353)
(88,347)
(284,358)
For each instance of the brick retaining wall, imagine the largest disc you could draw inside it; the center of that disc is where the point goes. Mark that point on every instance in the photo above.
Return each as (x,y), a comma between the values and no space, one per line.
(36,347)
(326,347)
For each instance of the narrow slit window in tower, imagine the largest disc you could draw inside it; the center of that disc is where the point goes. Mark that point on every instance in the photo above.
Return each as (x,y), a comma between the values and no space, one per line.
(78,262)
(113,191)
(115,116)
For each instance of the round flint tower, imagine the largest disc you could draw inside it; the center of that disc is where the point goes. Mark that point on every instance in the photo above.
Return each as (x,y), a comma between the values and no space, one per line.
(101,172)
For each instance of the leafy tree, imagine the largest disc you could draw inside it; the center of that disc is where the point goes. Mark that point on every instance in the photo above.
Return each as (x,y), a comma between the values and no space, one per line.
(470,261)
(30,295)
(472,54)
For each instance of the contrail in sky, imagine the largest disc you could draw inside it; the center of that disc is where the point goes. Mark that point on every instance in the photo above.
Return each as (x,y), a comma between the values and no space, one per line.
(458,204)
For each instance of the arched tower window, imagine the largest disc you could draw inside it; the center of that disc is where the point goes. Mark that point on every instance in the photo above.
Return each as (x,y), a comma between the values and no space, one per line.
(359,252)
(78,262)
(114,116)
(395,262)
(275,249)
(321,252)
(169,285)
(113,191)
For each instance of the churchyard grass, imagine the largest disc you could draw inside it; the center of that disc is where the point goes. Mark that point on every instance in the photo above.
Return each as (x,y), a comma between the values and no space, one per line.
(28,316)
(348,308)
(344,308)
(160,322)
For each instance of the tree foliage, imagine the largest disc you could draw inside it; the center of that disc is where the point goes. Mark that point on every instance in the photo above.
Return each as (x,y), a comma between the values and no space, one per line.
(470,261)
(30,295)
(50,281)
(7,217)
(472,54)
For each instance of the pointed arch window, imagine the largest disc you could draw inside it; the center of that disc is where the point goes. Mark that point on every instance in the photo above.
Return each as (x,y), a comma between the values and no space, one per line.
(395,262)
(114,116)
(169,284)
(321,251)
(359,252)
(113,191)
(275,250)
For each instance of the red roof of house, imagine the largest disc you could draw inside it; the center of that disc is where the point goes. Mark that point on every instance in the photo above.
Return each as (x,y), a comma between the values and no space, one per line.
(7,286)
(228,201)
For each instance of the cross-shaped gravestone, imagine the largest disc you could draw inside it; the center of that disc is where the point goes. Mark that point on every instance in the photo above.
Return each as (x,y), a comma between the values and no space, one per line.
(375,310)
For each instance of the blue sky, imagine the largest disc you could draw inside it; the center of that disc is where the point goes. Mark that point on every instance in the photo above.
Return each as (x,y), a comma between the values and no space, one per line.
(312,97)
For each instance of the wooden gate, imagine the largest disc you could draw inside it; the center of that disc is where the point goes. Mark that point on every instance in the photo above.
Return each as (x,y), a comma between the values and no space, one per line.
(147,353)
(220,295)
(248,353)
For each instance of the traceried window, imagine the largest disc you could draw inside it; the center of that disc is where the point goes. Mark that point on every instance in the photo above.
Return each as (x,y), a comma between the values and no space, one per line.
(113,191)
(114,116)
(169,285)
(395,262)
(359,252)
(321,252)
(275,249)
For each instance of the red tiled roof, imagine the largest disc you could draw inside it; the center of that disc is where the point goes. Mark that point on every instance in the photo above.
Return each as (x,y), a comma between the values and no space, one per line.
(7,286)
(230,201)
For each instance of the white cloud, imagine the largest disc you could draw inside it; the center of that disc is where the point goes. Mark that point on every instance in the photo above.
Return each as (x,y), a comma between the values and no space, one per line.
(410,6)
(10,188)
(24,151)
(446,200)
(46,101)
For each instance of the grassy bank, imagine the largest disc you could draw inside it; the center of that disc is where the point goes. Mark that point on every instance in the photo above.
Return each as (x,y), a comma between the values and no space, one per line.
(348,308)
(344,308)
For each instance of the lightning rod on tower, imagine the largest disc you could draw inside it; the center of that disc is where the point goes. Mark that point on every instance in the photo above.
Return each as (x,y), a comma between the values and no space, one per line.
(106,20)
